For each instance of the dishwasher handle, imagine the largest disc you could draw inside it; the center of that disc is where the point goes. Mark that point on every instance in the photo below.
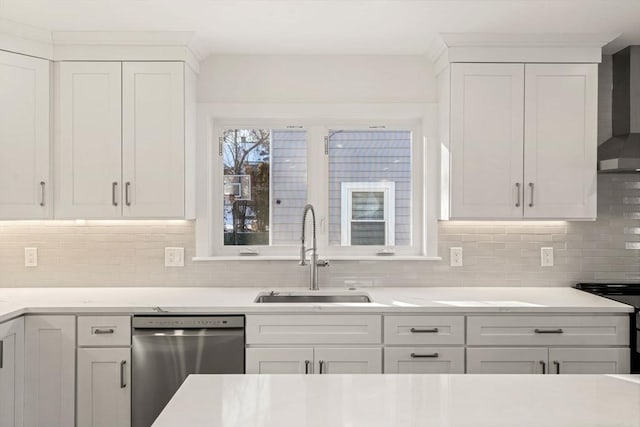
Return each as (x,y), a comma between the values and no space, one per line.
(177,333)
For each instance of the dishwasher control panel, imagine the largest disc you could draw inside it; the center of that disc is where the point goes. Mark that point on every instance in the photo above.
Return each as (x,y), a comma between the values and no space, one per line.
(187,322)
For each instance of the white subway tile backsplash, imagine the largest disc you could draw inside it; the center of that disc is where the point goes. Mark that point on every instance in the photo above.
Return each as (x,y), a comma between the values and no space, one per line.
(495,253)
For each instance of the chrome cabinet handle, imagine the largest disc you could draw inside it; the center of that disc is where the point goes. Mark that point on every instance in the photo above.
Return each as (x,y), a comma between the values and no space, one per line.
(306,366)
(548,331)
(114,186)
(1,354)
(531,187)
(123,376)
(321,363)
(419,356)
(544,366)
(517,194)
(126,194)
(424,331)
(555,362)
(42,192)
(103,331)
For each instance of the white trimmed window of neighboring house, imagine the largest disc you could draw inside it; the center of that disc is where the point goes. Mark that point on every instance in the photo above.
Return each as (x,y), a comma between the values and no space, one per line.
(368,213)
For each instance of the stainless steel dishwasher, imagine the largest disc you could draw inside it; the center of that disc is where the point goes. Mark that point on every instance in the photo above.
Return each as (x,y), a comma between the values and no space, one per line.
(166,349)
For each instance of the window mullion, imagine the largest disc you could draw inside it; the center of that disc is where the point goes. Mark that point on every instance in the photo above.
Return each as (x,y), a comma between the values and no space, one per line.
(318,183)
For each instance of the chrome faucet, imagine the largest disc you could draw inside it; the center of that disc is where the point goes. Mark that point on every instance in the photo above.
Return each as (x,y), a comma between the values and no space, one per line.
(313,278)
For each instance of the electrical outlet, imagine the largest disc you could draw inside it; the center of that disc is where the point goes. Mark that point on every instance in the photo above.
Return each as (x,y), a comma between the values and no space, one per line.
(455,257)
(546,257)
(174,257)
(30,257)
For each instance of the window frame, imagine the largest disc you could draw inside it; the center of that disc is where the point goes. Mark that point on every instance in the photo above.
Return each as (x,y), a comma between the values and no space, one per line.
(388,189)
(209,239)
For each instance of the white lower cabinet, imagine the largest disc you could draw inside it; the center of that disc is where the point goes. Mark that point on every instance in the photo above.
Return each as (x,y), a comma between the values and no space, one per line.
(104,387)
(543,360)
(318,360)
(50,359)
(423,360)
(12,373)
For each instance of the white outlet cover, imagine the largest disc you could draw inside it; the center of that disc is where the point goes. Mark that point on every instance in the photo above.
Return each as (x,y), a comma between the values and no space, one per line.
(455,255)
(30,257)
(174,257)
(546,257)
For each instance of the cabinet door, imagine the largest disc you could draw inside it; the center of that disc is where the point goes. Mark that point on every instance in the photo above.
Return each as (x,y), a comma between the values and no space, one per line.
(153,139)
(507,360)
(487,102)
(279,360)
(348,360)
(560,140)
(25,184)
(11,373)
(104,391)
(50,358)
(589,360)
(88,148)
(423,360)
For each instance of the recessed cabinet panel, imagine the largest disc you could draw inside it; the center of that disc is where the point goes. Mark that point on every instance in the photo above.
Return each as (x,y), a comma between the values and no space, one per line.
(88,147)
(104,387)
(560,140)
(12,373)
(423,330)
(423,360)
(589,360)
(487,102)
(153,139)
(348,360)
(279,360)
(25,184)
(507,360)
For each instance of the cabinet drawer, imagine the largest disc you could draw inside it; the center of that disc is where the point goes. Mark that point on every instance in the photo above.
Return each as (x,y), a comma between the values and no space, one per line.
(424,360)
(417,330)
(104,331)
(547,330)
(313,329)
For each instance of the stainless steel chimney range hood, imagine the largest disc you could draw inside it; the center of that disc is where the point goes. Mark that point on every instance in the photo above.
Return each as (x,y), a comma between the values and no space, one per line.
(621,153)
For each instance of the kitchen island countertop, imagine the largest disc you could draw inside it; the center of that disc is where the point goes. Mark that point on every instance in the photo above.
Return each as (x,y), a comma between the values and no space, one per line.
(404,401)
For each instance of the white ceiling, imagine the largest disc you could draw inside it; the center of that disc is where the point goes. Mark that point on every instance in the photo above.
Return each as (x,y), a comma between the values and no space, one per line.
(331,26)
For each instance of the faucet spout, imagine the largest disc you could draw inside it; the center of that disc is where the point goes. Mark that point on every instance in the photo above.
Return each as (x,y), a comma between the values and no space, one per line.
(313,277)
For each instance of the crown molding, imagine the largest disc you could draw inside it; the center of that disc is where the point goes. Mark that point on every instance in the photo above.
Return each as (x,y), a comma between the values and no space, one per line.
(598,40)
(100,45)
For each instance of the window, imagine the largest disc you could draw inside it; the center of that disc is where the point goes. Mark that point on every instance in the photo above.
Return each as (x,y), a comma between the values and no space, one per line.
(364,183)
(368,213)
(264,185)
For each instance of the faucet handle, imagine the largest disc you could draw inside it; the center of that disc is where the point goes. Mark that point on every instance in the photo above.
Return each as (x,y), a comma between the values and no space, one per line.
(322,263)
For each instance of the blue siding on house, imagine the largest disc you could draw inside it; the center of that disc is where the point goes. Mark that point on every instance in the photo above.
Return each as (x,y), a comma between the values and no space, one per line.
(288,185)
(370,156)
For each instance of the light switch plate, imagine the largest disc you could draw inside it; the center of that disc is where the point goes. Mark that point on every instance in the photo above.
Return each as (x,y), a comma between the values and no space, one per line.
(455,257)
(546,257)
(30,257)
(174,257)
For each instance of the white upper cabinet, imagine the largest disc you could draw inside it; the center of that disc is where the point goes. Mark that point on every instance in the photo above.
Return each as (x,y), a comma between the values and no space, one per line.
(88,148)
(153,139)
(487,102)
(25,184)
(120,140)
(560,140)
(523,141)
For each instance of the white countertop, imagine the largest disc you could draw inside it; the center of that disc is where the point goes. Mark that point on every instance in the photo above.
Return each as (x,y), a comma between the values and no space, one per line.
(386,400)
(17,301)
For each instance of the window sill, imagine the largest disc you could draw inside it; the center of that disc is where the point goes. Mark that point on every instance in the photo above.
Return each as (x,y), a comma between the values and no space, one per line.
(330,258)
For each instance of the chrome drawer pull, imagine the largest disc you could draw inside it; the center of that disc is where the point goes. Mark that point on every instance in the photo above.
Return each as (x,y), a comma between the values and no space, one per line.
(306,366)
(555,362)
(103,331)
(42,192)
(418,356)
(531,186)
(518,195)
(544,366)
(126,194)
(114,185)
(424,331)
(321,363)
(548,331)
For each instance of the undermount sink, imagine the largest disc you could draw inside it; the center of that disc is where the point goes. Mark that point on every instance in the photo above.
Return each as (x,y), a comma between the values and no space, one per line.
(312,297)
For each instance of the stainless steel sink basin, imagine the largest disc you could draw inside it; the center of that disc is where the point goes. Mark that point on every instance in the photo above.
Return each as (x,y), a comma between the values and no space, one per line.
(308,297)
